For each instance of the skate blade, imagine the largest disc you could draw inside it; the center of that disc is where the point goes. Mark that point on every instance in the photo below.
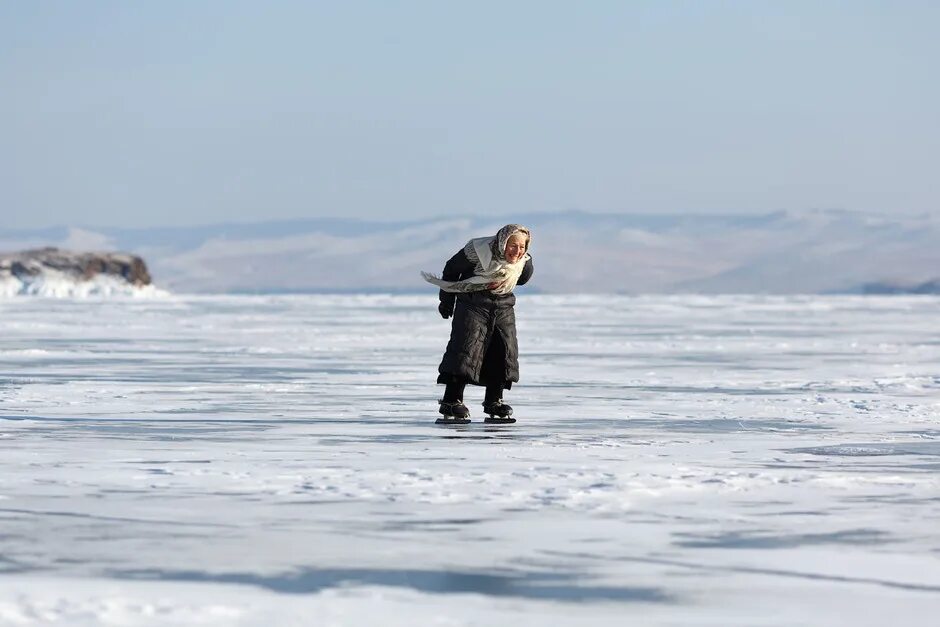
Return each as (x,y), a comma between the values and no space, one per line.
(452,421)
(494,420)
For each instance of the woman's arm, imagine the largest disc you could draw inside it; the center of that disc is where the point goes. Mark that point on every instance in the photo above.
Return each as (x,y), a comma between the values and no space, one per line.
(526,272)
(457,268)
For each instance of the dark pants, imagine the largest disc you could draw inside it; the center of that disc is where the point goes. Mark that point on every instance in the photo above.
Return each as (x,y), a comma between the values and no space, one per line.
(454,392)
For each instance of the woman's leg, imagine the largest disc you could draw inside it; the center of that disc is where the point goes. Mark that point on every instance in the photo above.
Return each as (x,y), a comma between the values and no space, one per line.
(453,393)
(494,392)
(494,405)
(493,372)
(494,377)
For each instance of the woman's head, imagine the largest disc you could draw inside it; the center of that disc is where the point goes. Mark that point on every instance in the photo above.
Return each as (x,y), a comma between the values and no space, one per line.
(513,241)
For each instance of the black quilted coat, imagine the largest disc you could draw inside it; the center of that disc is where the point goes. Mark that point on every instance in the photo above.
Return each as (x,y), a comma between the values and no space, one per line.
(483,348)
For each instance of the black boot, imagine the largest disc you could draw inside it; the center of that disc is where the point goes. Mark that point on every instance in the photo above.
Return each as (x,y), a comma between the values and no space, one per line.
(452,409)
(499,412)
(453,412)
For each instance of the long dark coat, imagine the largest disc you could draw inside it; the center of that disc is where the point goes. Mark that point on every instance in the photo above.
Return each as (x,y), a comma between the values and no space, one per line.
(483,348)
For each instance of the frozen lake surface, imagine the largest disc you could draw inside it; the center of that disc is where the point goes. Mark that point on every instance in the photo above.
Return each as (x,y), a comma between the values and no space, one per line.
(273,461)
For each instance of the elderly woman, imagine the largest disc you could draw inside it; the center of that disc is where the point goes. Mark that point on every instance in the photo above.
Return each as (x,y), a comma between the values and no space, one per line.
(476,289)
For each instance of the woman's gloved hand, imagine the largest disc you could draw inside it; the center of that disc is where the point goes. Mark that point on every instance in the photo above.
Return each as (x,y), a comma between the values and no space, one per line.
(446,309)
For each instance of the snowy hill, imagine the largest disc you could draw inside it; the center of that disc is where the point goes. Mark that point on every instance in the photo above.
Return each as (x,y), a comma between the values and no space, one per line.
(781,252)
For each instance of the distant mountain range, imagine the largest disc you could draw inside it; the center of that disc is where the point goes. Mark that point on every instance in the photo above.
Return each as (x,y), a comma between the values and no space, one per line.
(826,251)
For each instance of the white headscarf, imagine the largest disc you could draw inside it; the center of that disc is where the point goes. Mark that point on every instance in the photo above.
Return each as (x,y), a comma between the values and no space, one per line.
(490,265)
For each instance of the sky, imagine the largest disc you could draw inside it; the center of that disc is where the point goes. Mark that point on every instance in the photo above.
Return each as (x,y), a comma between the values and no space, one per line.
(181,113)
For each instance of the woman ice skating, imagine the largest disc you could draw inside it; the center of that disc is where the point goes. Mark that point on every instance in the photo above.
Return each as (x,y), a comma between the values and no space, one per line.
(482,349)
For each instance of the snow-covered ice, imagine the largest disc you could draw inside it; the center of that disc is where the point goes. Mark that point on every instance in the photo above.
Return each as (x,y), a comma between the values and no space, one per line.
(56,284)
(272,460)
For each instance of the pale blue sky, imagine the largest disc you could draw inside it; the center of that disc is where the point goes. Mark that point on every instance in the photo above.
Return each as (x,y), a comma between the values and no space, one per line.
(178,112)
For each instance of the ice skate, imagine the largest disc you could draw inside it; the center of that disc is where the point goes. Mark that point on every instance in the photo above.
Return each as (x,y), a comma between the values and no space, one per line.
(499,413)
(455,413)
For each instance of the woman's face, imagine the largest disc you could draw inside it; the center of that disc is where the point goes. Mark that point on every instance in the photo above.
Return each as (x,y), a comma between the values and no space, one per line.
(515,247)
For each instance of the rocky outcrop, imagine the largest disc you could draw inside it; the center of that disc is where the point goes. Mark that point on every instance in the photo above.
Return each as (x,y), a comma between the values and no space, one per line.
(29,265)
